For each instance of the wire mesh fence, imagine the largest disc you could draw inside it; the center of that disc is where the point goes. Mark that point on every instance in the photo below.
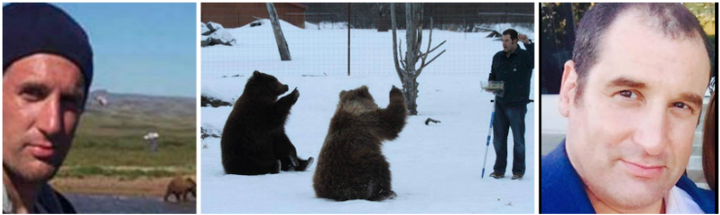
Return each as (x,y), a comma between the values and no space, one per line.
(355,39)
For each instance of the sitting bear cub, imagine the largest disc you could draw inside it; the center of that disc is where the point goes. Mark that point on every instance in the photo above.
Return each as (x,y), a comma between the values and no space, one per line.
(253,141)
(351,164)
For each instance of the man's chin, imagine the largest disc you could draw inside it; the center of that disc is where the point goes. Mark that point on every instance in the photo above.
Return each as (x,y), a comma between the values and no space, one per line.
(38,171)
(638,202)
(639,192)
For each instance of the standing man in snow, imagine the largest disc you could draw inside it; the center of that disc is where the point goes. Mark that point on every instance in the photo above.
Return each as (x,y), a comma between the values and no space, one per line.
(47,71)
(513,66)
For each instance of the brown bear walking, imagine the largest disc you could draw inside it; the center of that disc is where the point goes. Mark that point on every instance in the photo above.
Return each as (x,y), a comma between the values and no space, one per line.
(180,188)
(253,141)
(351,164)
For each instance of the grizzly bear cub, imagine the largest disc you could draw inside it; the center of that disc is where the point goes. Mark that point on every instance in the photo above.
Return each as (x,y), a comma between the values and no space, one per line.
(351,164)
(180,187)
(253,140)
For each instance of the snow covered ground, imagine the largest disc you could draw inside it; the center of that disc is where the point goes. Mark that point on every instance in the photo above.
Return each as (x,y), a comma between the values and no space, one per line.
(435,168)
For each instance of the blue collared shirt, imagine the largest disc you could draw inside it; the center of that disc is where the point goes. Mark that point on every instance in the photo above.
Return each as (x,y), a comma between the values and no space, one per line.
(562,190)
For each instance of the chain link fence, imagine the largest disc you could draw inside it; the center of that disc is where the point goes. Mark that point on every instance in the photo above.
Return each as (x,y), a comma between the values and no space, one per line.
(356,39)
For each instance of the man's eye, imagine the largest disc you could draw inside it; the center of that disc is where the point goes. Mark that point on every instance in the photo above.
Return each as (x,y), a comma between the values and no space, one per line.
(681,105)
(628,94)
(33,94)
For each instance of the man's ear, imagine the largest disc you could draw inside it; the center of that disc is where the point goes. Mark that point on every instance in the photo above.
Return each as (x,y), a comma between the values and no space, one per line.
(568,88)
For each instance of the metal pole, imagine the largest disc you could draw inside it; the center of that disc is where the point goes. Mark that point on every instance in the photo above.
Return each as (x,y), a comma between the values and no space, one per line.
(487,144)
(348,26)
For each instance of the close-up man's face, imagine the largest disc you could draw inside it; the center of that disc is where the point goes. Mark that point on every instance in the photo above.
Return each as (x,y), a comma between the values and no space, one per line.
(43,98)
(630,132)
(508,43)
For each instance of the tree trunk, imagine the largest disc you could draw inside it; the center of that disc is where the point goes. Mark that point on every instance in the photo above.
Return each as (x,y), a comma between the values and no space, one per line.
(413,36)
(569,24)
(406,70)
(410,38)
(410,91)
(279,37)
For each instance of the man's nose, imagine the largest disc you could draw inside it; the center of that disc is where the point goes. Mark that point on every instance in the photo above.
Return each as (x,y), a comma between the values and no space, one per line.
(652,131)
(50,117)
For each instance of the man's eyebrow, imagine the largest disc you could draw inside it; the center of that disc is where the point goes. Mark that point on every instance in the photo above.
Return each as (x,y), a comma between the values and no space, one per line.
(33,85)
(692,98)
(627,82)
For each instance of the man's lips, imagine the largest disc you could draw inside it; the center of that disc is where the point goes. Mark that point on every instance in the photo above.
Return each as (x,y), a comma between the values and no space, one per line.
(648,171)
(42,150)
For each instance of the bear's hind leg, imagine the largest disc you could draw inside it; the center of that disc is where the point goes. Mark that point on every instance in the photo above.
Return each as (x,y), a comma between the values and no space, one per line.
(304,164)
(382,189)
(382,195)
(286,152)
(275,168)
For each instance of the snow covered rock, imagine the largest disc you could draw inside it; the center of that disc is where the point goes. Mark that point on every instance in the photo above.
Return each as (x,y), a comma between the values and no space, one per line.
(204,29)
(214,33)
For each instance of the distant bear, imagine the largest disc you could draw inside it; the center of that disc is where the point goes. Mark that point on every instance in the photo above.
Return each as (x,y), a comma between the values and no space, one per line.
(180,187)
(351,164)
(253,141)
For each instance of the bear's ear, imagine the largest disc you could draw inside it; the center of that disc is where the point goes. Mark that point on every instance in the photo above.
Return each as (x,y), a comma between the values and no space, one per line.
(364,89)
(342,93)
(256,73)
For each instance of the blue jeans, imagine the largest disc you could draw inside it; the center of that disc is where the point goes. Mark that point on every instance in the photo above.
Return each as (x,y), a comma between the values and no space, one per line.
(507,117)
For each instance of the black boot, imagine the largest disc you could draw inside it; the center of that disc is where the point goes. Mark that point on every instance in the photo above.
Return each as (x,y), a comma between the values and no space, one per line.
(497,175)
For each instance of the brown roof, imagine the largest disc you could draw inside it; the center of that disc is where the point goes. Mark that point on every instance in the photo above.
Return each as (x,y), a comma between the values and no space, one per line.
(298,5)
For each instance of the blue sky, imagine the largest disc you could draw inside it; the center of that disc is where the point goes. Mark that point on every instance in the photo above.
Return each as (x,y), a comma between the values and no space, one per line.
(141,47)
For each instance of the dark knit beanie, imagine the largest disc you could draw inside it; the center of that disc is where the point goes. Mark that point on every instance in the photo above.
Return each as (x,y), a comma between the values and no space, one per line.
(30,28)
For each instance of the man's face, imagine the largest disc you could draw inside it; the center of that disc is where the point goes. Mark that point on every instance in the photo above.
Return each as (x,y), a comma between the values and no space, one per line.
(42,103)
(630,135)
(508,44)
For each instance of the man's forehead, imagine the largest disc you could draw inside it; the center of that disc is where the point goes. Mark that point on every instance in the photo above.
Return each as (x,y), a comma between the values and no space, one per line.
(633,29)
(631,48)
(693,73)
(44,59)
(42,67)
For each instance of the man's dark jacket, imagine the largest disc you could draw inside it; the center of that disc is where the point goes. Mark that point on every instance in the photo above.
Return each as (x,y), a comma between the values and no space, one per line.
(515,70)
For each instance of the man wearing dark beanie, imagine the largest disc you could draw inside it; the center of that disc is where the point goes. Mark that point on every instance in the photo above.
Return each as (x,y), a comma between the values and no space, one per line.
(47,72)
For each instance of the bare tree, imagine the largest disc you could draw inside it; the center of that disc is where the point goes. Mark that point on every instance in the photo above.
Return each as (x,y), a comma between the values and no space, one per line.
(279,37)
(406,67)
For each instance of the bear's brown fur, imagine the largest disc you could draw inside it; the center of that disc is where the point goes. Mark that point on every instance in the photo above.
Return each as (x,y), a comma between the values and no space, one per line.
(351,164)
(180,187)
(253,141)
